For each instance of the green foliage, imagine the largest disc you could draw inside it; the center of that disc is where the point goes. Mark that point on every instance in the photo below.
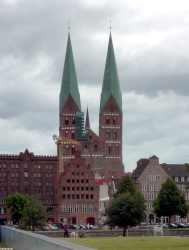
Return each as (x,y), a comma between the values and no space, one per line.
(126,185)
(17,202)
(127,208)
(170,201)
(34,213)
(82,233)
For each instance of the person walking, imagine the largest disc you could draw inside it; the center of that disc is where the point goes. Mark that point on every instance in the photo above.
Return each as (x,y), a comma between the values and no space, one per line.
(65,231)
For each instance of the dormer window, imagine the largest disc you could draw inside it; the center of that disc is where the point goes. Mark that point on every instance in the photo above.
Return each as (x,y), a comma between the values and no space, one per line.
(176,178)
(182,178)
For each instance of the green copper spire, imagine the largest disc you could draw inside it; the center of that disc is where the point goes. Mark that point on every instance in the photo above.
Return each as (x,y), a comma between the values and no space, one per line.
(69,84)
(111,81)
(87,122)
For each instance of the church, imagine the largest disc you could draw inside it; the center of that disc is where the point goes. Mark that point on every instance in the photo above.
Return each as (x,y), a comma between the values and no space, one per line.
(68,183)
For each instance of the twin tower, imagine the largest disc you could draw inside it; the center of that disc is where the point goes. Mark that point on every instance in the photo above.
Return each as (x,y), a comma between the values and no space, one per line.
(103,152)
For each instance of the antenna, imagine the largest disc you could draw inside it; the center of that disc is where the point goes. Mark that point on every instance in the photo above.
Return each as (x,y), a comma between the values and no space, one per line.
(110,25)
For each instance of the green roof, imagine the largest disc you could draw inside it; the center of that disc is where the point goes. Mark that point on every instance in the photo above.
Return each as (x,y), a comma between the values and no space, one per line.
(69,84)
(111,84)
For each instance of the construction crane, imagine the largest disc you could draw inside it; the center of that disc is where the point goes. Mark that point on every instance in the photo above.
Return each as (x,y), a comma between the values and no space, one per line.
(59,141)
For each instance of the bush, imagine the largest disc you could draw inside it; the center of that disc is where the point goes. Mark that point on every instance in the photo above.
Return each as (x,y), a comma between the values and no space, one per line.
(82,233)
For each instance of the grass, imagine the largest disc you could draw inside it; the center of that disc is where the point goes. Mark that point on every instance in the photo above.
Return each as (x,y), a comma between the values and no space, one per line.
(132,243)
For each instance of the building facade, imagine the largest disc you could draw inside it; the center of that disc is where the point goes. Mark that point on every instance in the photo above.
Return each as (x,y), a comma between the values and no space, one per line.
(149,176)
(66,182)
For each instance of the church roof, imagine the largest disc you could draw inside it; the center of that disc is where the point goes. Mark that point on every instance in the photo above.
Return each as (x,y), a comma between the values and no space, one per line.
(87,122)
(111,84)
(69,84)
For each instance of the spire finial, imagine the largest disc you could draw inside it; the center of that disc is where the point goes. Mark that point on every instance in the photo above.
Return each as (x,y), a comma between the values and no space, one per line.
(68,26)
(110,25)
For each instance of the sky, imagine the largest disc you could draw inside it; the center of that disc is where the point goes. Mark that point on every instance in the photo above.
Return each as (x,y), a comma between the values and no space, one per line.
(151,45)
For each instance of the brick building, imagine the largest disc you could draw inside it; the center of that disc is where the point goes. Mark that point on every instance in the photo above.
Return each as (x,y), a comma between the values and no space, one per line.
(149,175)
(66,182)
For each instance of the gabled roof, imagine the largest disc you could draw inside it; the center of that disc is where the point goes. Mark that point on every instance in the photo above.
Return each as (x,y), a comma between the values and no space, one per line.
(111,84)
(69,84)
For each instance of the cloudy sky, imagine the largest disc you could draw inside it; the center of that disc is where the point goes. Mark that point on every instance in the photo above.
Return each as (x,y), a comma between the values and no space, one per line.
(151,44)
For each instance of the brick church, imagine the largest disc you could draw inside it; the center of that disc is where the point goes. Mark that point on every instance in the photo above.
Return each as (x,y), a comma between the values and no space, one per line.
(66,182)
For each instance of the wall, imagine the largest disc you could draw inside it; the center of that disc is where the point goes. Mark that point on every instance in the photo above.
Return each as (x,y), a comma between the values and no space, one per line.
(19,239)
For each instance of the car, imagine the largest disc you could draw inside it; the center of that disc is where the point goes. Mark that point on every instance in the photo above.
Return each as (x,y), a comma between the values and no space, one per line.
(89,226)
(180,225)
(173,225)
(72,226)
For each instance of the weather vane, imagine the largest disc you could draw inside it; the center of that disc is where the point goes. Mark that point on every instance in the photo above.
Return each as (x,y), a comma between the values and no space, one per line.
(68,26)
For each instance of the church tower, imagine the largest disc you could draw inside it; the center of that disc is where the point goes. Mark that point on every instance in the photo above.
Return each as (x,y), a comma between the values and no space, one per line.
(110,117)
(69,106)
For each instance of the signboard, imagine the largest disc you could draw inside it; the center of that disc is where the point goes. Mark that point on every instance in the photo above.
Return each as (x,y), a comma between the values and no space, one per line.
(158,230)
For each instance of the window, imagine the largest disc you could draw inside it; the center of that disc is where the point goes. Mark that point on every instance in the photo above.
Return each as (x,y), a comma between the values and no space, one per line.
(73,173)
(63,208)
(91,188)
(84,208)
(109,149)
(47,166)
(25,174)
(16,174)
(176,178)
(90,209)
(39,174)
(151,177)
(151,197)
(73,121)
(4,174)
(68,196)
(76,209)
(70,209)
(25,183)
(107,120)
(4,165)
(178,219)
(73,135)
(25,165)
(77,196)
(107,134)
(66,121)
(12,165)
(87,181)
(12,174)
(73,150)
(2,210)
(114,135)
(47,175)
(63,196)
(91,196)
(183,188)
(145,196)
(49,210)
(150,205)
(87,196)
(73,188)
(39,183)
(151,187)
(182,178)
(158,187)
(47,184)
(144,187)
(158,178)
(178,186)
(114,120)
(12,183)
(16,165)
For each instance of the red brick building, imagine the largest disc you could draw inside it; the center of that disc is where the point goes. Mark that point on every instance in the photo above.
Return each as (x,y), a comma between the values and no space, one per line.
(66,182)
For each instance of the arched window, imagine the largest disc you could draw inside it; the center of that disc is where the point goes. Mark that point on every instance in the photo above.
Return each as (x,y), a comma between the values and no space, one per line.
(73,135)
(73,120)
(115,135)
(109,149)
(66,121)
(107,120)
(107,134)
(67,150)
(73,150)
(114,120)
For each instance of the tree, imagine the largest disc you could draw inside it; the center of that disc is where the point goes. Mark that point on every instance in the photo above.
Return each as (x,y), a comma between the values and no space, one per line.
(127,208)
(126,185)
(17,202)
(34,213)
(170,201)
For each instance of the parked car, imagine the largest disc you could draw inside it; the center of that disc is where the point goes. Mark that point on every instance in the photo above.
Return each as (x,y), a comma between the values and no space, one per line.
(89,226)
(72,226)
(180,225)
(173,225)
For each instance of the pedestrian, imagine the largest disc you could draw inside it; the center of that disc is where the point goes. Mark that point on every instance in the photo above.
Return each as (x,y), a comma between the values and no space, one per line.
(65,231)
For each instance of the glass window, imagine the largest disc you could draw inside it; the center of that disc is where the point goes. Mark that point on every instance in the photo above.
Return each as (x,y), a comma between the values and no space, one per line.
(12,165)
(76,209)
(12,174)
(63,208)
(151,187)
(158,178)
(151,178)
(90,209)
(25,174)
(25,183)
(70,209)
(25,165)
(84,208)
(182,178)
(176,178)
(144,187)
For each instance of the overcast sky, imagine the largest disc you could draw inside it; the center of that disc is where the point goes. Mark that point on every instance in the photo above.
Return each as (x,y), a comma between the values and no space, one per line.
(151,44)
